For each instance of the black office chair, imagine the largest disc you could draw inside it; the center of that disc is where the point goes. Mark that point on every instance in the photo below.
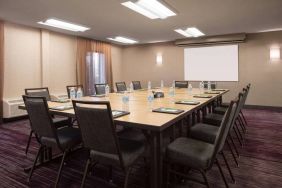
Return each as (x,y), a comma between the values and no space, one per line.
(39,92)
(121,86)
(213,85)
(216,118)
(222,109)
(46,134)
(227,104)
(99,136)
(199,155)
(242,119)
(100,89)
(44,92)
(181,84)
(136,85)
(75,88)
(207,133)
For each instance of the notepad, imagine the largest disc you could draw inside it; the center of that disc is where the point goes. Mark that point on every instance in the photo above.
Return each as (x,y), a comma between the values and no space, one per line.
(119,113)
(101,95)
(202,96)
(61,108)
(61,100)
(212,92)
(141,89)
(168,110)
(218,89)
(187,102)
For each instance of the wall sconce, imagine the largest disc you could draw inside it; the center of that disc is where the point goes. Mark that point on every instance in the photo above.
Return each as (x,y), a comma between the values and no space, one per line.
(274,54)
(159,59)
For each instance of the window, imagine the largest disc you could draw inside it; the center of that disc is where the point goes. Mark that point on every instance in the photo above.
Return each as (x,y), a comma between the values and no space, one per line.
(95,71)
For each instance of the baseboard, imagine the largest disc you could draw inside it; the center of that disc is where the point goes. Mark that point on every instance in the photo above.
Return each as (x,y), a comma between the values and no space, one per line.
(259,107)
(6,120)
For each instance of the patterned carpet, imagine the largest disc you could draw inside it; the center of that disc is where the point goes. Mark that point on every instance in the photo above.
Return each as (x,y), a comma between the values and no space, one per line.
(260,161)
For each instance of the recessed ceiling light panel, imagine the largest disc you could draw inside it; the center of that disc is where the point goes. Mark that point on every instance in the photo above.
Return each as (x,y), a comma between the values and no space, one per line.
(123,40)
(64,25)
(194,32)
(140,10)
(152,9)
(182,32)
(190,32)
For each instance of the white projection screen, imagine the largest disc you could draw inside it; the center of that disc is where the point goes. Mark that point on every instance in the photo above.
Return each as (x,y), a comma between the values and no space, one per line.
(212,63)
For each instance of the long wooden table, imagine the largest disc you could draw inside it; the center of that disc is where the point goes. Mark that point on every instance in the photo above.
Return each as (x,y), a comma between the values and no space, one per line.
(154,124)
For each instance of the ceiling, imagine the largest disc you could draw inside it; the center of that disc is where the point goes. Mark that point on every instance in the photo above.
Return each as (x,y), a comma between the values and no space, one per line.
(108,18)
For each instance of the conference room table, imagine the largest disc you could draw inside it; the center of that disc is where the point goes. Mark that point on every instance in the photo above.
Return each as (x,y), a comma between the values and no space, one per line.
(153,124)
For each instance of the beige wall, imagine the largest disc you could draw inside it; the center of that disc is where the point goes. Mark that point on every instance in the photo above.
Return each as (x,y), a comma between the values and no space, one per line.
(22,67)
(116,63)
(35,58)
(139,63)
(62,62)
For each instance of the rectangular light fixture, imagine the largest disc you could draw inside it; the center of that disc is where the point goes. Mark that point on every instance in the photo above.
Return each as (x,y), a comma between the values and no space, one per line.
(159,59)
(274,53)
(152,9)
(190,32)
(64,25)
(123,40)
(182,32)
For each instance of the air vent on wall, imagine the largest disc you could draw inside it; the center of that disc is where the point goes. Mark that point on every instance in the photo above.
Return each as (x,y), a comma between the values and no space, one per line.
(212,40)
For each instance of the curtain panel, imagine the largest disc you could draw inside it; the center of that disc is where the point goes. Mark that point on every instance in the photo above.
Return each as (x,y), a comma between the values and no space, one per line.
(1,68)
(85,46)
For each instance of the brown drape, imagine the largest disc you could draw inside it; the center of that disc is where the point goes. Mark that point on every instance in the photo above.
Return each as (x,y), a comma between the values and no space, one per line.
(1,68)
(87,45)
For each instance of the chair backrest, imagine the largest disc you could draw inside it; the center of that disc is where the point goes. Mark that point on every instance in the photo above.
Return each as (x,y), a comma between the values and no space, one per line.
(38,92)
(136,85)
(75,88)
(239,102)
(224,128)
(247,89)
(40,119)
(121,86)
(100,89)
(97,128)
(213,85)
(242,95)
(181,84)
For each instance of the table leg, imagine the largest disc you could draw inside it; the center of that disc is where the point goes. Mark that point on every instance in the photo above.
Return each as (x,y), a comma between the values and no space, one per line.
(193,118)
(188,126)
(204,111)
(156,170)
(210,107)
(153,162)
(160,158)
(198,116)
(180,127)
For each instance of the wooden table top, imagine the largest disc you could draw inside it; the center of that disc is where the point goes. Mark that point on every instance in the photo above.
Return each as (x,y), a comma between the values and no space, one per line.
(141,115)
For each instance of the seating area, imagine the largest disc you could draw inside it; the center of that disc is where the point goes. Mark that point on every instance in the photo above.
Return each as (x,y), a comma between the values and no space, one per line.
(257,160)
(140,94)
(95,131)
